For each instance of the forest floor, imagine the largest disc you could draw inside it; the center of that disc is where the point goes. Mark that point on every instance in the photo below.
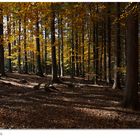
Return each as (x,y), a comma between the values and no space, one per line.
(83,106)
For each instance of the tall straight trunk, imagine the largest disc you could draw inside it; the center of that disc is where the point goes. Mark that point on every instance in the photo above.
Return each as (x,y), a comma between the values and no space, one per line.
(101,54)
(62,50)
(105,48)
(72,53)
(14,32)
(94,49)
(83,50)
(38,59)
(117,50)
(96,55)
(59,46)
(80,54)
(19,47)
(108,41)
(41,47)
(25,48)
(89,43)
(131,91)
(46,53)
(76,50)
(2,71)
(9,45)
(53,47)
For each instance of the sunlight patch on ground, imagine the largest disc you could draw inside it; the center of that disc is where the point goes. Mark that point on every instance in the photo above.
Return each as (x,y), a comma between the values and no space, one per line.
(98,112)
(16,84)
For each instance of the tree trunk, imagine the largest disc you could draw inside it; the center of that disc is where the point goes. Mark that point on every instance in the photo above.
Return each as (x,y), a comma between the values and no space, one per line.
(53,48)
(131,91)
(9,45)
(89,43)
(39,71)
(83,50)
(46,53)
(62,50)
(117,49)
(2,71)
(59,45)
(105,48)
(72,53)
(19,47)
(76,50)
(108,41)
(25,48)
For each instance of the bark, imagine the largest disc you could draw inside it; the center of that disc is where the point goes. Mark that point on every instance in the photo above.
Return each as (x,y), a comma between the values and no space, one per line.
(25,49)
(59,46)
(2,71)
(38,59)
(76,49)
(9,45)
(105,48)
(89,43)
(131,91)
(72,53)
(46,53)
(19,47)
(62,50)
(117,49)
(108,51)
(83,50)
(53,47)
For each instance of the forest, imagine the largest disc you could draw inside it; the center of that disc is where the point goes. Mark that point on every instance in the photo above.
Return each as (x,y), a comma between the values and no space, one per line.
(69,65)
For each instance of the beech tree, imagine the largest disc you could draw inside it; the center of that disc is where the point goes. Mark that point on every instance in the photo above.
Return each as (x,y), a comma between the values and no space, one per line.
(39,66)
(2,71)
(53,47)
(131,91)
(117,49)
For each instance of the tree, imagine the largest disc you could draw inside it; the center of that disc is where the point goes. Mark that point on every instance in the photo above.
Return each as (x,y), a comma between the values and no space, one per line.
(2,71)
(38,59)
(25,48)
(117,49)
(131,91)
(19,47)
(9,44)
(108,45)
(62,48)
(45,41)
(53,48)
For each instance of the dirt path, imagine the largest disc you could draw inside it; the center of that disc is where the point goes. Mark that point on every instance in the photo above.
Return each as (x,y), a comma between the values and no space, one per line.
(85,106)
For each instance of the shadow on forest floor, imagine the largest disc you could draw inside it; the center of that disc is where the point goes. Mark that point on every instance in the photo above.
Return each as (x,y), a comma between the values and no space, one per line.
(87,106)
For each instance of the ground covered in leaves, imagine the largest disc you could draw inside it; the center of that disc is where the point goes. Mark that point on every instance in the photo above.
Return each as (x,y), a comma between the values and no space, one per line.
(82,106)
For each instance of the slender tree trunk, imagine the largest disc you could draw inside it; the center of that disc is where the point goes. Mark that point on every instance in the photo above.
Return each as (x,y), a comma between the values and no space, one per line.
(9,45)
(2,71)
(38,59)
(80,54)
(105,48)
(59,46)
(94,50)
(25,49)
(89,43)
(46,53)
(101,54)
(19,47)
(83,50)
(62,50)
(76,50)
(108,41)
(117,50)
(53,47)
(72,49)
(131,92)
